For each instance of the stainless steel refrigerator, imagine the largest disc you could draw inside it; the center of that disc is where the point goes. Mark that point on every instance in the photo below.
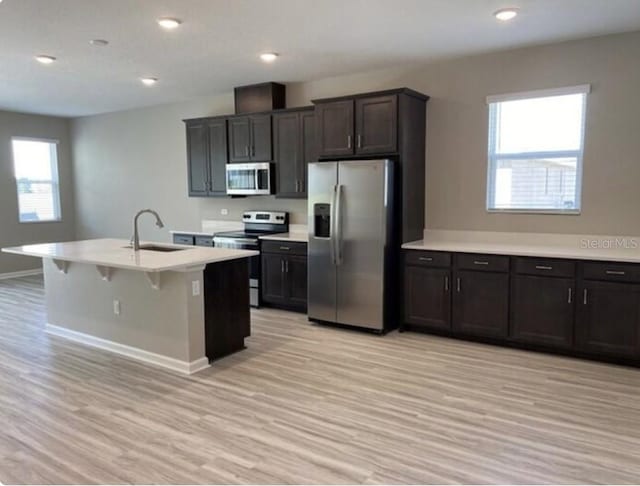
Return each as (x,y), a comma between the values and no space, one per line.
(351,248)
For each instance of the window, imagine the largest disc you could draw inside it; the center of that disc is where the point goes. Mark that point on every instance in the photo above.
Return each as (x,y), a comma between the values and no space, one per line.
(36,169)
(535,151)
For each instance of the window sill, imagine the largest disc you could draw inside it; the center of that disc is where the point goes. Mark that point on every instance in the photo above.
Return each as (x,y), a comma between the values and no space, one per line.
(557,212)
(41,222)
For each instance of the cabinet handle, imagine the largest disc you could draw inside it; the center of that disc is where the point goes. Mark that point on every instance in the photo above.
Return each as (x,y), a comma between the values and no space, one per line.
(286,248)
(480,262)
(446,284)
(570,297)
(614,272)
(458,284)
(425,259)
(348,141)
(359,141)
(584,297)
(282,266)
(543,267)
(286,266)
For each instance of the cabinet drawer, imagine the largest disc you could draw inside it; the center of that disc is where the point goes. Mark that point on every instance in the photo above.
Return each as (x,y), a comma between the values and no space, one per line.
(183,239)
(427,258)
(285,247)
(615,272)
(545,266)
(489,263)
(204,240)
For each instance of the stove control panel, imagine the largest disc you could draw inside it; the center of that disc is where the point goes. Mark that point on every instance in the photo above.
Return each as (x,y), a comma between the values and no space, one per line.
(267,217)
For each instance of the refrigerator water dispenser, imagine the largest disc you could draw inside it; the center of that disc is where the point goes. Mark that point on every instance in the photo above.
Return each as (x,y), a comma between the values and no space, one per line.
(322,220)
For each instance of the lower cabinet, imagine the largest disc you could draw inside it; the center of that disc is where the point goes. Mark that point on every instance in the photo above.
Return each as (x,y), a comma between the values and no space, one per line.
(542,310)
(427,297)
(588,308)
(481,303)
(284,275)
(608,320)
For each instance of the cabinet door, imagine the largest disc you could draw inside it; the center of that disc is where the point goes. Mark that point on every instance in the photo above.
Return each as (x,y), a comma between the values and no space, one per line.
(296,270)
(287,156)
(197,159)
(239,139)
(309,148)
(542,310)
(427,297)
(335,128)
(609,318)
(261,138)
(377,125)
(481,303)
(217,138)
(273,279)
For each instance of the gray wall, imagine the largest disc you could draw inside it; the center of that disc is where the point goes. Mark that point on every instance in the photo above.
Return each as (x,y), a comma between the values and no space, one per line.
(129,160)
(11,231)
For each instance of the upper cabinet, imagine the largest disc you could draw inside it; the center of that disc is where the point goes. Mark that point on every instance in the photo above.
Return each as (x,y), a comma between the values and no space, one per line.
(207,157)
(250,138)
(293,148)
(360,126)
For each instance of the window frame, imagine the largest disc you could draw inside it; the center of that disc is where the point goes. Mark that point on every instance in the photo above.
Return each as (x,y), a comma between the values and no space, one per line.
(55,179)
(493,157)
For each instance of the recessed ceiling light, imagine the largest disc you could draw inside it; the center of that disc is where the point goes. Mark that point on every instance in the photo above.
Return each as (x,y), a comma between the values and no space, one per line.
(269,56)
(99,42)
(169,23)
(149,81)
(44,59)
(506,14)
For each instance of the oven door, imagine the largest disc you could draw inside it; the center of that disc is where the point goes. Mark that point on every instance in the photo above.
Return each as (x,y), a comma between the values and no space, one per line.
(249,179)
(254,262)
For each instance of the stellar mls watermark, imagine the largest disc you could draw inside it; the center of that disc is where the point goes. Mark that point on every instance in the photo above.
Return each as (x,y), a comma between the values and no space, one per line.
(610,243)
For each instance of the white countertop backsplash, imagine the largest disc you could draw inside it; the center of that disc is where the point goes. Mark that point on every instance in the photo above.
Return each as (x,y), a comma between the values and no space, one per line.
(583,247)
(210,226)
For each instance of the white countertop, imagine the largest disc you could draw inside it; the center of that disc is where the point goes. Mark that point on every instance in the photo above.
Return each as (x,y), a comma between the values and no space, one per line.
(113,254)
(580,247)
(299,236)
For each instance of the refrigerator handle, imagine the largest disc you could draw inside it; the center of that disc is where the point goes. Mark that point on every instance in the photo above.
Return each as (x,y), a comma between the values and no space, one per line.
(332,225)
(338,211)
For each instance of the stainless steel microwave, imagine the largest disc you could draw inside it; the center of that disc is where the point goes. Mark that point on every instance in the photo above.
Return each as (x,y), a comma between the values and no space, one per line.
(249,179)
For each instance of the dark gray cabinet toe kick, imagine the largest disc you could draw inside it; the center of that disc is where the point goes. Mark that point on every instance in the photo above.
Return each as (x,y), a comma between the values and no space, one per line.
(589,309)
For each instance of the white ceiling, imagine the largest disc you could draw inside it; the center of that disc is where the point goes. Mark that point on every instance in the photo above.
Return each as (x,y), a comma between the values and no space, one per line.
(216,48)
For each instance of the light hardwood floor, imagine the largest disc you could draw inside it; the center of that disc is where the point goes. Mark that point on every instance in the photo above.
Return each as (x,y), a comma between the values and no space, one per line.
(309,404)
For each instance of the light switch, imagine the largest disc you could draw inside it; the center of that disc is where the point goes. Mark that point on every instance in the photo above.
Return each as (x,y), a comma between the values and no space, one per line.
(116,307)
(224,212)
(195,288)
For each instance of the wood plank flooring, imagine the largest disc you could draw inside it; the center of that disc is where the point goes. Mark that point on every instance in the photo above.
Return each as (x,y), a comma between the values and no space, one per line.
(309,404)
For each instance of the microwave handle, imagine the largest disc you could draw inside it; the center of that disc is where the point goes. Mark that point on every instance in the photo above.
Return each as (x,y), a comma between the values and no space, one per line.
(257,178)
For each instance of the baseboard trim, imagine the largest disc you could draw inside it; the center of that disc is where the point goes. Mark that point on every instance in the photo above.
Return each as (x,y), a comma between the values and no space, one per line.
(148,357)
(22,273)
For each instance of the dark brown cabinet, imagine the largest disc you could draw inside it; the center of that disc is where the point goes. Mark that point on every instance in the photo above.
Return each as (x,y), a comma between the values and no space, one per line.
(335,128)
(427,298)
(608,320)
(207,157)
(542,310)
(361,126)
(250,138)
(376,125)
(481,303)
(284,274)
(294,148)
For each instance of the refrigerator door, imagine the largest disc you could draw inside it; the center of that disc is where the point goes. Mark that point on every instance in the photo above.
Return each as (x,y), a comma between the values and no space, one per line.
(363,209)
(322,184)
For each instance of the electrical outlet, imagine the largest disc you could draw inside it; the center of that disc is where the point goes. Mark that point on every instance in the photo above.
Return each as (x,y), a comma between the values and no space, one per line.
(116,307)
(195,288)
(224,212)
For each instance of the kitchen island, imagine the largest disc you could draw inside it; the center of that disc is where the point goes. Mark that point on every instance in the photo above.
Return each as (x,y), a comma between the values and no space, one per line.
(174,306)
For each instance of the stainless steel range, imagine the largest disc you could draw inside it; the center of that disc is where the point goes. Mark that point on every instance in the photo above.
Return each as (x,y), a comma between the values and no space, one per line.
(256,224)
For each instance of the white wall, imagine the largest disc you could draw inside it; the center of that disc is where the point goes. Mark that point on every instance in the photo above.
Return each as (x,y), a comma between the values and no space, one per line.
(11,231)
(128,160)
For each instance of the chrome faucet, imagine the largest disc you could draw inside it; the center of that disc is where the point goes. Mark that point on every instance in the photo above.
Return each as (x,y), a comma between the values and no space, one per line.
(135,241)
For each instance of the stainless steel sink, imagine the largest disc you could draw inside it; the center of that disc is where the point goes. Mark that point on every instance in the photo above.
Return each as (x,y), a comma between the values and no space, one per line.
(162,249)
